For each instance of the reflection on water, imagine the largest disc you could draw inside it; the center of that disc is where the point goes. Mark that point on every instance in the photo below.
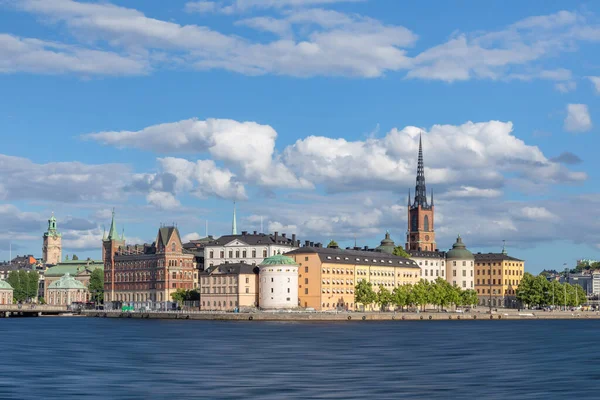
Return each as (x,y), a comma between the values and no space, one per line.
(85,358)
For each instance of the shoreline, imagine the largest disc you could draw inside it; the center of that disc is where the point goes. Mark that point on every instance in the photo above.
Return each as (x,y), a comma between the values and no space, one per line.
(343,316)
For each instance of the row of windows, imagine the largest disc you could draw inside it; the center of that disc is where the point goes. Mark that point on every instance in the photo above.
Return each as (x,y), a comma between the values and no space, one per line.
(338,282)
(138,297)
(338,291)
(223,290)
(464,284)
(338,305)
(506,272)
(437,272)
(239,253)
(494,291)
(499,264)
(386,273)
(427,263)
(152,264)
(367,260)
(150,275)
(513,282)
(223,304)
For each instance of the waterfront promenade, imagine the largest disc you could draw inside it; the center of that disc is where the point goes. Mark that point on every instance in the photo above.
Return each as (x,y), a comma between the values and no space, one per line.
(347,316)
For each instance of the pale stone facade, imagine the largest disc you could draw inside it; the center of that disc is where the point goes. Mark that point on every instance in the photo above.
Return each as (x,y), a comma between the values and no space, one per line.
(6,293)
(65,291)
(278,283)
(226,287)
(460,266)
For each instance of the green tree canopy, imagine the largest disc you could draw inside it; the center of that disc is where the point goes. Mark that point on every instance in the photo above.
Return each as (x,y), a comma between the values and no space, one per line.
(400,252)
(332,243)
(96,286)
(33,280)
(75,258)
(364,293)
(384,297)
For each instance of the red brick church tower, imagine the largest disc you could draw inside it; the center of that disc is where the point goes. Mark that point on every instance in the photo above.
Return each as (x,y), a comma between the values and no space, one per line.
(420,235)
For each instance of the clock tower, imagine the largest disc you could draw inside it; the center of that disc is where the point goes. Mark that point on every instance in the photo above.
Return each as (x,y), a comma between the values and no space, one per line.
(52,247)
(420,235)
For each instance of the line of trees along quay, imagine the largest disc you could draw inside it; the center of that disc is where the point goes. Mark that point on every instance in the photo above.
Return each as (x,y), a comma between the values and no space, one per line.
(439,293)
(538,291)
(25,284)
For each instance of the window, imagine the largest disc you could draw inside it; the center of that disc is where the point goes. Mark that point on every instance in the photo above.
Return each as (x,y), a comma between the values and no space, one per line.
(211,254)
(454,272)
(244,253)
(272,280)
(288,290)
(425,272)
(253,253)
(247,290)
(230,253)
(173,247)
(464,273)
(237,254)
(174,275)
(454,263)
(306,281)
(289,280)
(464,283)
(222,254)
(305,269)
(271,290)
(426,223)
(305,290)
(247,280)
(264,253)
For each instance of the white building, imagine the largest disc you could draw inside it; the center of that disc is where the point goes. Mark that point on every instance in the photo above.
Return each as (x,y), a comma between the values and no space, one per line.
(278,283)
(432,264)
(249,248)
(460,266)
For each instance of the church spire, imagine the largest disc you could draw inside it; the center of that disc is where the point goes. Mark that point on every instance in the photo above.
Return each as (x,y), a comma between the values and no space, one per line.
(234,223)
(420,190)
(112,233)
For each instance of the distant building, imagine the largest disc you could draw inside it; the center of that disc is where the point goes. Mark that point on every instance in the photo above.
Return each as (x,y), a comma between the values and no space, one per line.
(144,274)
(66,290)
(432,263)
(80,270)
(460,267)
(327,277)
(497,276)
(52,244)
(249,248)
(6,293)
(226,287)
(196,247)
(278,283)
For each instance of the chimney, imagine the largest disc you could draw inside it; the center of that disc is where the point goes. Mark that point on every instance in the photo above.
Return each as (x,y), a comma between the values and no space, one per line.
(312,244)
(276,236)
(283,235)
(255,232)
(318,245)
(293,239)
(366,248)
(244,233)
(306,243)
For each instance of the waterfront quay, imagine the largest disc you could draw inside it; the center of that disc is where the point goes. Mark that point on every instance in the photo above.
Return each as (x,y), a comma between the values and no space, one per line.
(346,316)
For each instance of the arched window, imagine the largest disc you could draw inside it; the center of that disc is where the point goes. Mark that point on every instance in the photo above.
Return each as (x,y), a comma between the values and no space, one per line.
(173,247)
(426,223)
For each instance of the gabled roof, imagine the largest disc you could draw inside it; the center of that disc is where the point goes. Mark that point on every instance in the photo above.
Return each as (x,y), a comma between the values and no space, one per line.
(165,233)
(73,268)
(253,240)
(232,269)
(355,257)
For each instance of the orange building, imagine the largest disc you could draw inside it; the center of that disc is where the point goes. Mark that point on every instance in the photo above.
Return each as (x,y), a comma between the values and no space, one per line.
(497,277)
(327,276)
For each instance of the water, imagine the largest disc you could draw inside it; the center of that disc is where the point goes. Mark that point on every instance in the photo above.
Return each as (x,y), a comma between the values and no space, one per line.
(90,358)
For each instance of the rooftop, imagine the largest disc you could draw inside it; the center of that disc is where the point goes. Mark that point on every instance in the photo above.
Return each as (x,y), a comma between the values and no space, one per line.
(66,282)
(74,267)
(356,257)
(233,269)
(427,254)
(494,257)
(278,259)
(255,238)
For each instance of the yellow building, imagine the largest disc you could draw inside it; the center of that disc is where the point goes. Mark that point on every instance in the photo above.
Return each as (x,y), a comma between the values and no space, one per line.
(497,277)
(327,276)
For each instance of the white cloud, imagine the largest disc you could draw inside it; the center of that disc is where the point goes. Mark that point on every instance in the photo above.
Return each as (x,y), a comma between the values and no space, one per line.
(191,236)
(472,192)
(566,87)
(43,57)
(536,213)
(596,82)
(247,146)
(236,6)
(162,200)
(61,181)
(578,118)
(201,6)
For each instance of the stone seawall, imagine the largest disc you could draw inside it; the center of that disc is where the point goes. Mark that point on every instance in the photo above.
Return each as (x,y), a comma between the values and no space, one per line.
(296,316)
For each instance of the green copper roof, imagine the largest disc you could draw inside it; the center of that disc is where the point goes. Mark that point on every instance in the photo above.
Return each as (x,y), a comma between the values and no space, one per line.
(278,259)
(73,267)
(387,244)
(5,285)
(112,233)
(66,282)
(459,251)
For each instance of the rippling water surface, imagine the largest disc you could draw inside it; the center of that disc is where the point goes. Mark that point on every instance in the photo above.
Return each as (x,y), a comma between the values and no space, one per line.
(86,358)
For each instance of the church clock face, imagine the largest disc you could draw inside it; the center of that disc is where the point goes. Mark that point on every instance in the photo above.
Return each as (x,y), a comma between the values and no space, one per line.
(427,237)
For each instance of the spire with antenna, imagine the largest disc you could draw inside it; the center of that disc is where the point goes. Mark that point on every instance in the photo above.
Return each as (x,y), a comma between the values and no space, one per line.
(420,190)
(112,233)
(504,247)
(234,223)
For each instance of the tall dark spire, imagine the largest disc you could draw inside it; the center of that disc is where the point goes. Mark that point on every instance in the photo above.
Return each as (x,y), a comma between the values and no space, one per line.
(420,190)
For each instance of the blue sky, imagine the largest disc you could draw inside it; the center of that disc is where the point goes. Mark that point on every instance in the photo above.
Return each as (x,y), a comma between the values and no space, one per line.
(307,112)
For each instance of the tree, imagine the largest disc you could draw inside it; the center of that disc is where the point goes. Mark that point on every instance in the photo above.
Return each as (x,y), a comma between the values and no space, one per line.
(401,295)
(333,244)
(33,284)
(454,295)
(23,285)
(75,258)
(525,290)
(400,252)
(384,297)
(179,295)
(469,297)
(364,293)
(419,292)
(96,286)
(14,281)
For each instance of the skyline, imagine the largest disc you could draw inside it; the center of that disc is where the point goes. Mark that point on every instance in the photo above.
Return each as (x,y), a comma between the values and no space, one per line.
(305,113)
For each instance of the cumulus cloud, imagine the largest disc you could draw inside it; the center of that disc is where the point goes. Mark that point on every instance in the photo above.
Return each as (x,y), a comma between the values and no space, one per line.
(578,118)
(247,146)
(191,236)
(566,157)
(163,200)
(596,82)
(230,7)
(465,192)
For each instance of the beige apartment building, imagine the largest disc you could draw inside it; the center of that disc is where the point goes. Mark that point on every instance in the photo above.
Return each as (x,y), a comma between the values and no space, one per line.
(327,277)
(226,287)
(497,277)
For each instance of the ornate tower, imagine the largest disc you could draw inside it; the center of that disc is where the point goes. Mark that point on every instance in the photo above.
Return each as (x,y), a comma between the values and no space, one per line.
(110,245)
(420,234)
(52,247)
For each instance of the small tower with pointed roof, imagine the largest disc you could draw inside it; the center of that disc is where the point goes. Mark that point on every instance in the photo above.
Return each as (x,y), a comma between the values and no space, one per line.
(52,244)
(110,246)
(420,234)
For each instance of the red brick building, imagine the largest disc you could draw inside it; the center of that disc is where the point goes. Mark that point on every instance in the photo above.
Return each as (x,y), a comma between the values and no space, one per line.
(149,272)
